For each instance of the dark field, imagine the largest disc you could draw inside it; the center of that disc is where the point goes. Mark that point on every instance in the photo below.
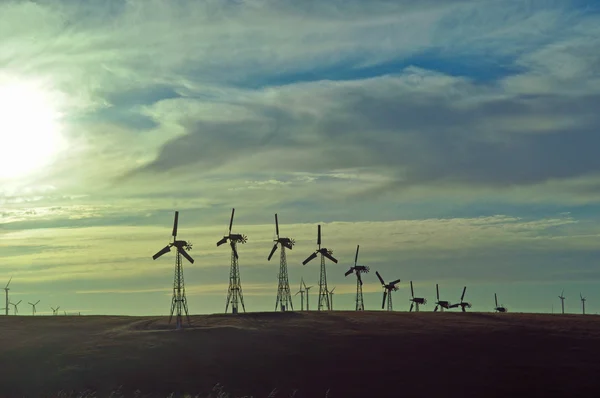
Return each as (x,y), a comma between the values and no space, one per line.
(370,354)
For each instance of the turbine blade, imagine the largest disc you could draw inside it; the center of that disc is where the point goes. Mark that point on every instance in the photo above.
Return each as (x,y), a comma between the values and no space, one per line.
(496,299)
(224,240)
(380,278)
(356,257)
(463,294)
(349,272)
(276,226)
(384,296)
(329,256)
(463,309)
(37,302)
(8,282)
(437,289)
(164,250)
(309,258)
(272,252)
(394,282)
(184,254)
(412,292)
(319,235)
(235,253)
(175,224)
(411,307)
(231,220)
(435,309)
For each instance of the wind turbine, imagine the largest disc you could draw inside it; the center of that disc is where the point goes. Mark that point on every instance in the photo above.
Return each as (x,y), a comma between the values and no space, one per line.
(33,307)
(415,301)
(15,306)
(387,291)
(55,310)
(439,303)
(325,253)
(582,302)
(331,297)
(179,301)
(301,291)
(6,289)
(358,269)
(234,293)
(562,300)
(283,289)
(462,304)
(306,289)
(498,308)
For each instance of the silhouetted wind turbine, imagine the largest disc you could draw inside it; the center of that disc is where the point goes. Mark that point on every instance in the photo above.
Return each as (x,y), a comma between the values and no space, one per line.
(331,297)
(415,301)
(6,289)
(388,288)
(15,306)
(498,308)
(306,289)
(582,302)
(358,269)
(301,291)
(33,307)
(562,300)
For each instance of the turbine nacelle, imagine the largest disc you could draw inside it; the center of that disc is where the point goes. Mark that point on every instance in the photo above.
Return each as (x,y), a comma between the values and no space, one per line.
(287,242)
(418,300)
(444,304)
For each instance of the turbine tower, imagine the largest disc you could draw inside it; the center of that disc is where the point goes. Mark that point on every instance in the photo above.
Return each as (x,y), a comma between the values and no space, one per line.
(562,300)
(15,305)
(325,253)
(301,291)
(358,269)
(234,293)
(440,303)
(498,308)
(388,288)
(6,289)
(284,299)
(33,307)
(462,304)
(415,301)
(582,302)
(179,301)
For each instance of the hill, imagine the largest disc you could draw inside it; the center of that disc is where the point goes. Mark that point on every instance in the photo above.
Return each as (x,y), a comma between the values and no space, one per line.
(369,354)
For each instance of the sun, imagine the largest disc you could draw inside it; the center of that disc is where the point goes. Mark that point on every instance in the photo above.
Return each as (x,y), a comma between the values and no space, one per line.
(29,129)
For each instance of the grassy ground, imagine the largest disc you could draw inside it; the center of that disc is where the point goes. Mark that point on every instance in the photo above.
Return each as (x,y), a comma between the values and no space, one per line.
(370,354)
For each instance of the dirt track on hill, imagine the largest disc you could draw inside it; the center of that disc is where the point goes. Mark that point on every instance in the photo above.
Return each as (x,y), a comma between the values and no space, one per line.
(370,354)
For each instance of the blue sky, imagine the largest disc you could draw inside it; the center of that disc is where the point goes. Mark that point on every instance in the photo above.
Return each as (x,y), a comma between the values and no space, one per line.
(455,141)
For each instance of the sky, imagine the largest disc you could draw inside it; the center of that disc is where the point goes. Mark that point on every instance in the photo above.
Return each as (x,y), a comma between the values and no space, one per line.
(455,141)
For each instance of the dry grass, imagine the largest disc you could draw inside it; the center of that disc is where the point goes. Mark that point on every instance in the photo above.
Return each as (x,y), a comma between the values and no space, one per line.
(370,354)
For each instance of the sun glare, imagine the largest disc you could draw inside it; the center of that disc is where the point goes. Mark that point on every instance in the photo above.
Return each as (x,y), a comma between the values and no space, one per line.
(29,128)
